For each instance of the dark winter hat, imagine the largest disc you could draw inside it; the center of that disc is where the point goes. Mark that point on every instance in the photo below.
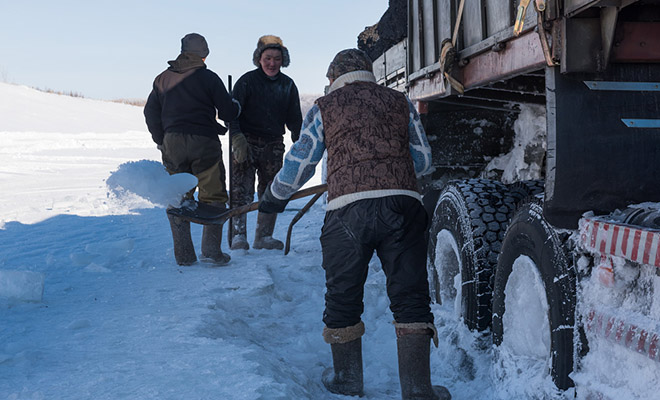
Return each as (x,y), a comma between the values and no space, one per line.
(349,60)
(270,42)
(196,44)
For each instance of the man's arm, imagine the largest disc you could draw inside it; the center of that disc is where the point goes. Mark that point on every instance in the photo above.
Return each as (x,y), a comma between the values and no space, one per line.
(301,159)
(420,150)
(294,115)
(239,93)
(228,108)
(152,116)
(299,164)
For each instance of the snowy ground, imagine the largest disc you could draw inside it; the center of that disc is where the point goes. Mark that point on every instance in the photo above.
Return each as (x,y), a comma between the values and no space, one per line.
(119,319)
(93,305)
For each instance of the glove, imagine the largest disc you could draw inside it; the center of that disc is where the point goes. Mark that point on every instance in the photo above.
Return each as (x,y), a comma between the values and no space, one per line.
(270,204)
(239,147)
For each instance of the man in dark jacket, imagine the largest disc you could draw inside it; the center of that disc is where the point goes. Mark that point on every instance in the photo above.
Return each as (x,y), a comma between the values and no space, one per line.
(269,101)
(181,116)
(376,149)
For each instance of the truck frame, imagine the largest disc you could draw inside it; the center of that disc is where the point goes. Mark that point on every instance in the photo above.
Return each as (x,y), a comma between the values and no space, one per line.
(590,219)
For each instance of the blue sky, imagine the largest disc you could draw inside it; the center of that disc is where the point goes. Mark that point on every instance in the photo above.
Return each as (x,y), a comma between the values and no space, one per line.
(114,49)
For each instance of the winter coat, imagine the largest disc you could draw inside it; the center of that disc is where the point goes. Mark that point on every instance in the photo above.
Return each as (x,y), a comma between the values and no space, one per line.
(186,99)
(301,160)
(366,134)
(268,104)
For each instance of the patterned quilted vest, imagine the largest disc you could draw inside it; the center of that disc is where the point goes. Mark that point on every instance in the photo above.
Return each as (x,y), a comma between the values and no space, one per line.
(366,136)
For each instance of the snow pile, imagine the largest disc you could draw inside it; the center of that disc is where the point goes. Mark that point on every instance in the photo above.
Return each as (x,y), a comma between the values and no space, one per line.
(98,257)
(57,150)
(526,160)
(21,285)
(525,348)
(149,180)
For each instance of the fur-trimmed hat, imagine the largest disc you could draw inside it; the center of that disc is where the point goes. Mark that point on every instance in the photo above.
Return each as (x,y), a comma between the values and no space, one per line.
(196,44)
(349,60)
(270,42)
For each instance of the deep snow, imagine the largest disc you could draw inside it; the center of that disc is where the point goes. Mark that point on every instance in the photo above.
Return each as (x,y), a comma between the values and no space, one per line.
(119,319)
(93,305)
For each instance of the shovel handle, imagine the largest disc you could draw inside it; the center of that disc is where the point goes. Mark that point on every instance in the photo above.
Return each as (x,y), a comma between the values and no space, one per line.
(297,218)
(255,205)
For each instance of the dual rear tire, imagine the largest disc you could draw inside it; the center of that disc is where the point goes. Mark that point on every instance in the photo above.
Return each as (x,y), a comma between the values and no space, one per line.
(501,266)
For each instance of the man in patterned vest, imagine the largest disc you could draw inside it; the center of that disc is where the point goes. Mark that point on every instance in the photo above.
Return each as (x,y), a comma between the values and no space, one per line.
(376,150)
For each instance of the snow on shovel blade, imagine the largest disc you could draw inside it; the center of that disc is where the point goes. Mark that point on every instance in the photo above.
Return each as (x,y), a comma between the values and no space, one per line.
(205,214)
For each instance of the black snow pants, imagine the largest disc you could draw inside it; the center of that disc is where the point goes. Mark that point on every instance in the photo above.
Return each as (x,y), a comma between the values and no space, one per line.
(392,226)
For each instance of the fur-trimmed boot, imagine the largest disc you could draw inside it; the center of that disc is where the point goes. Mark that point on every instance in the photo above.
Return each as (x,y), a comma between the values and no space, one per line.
(346,375)
(184,250)
(239,239)
(263,237)
(413,348)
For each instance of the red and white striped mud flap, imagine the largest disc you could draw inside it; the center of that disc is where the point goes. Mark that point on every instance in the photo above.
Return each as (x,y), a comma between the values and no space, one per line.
(632,243)
(607,239)
(633,337)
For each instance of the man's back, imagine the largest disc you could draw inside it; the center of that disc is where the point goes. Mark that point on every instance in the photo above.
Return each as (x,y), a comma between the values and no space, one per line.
(366,135)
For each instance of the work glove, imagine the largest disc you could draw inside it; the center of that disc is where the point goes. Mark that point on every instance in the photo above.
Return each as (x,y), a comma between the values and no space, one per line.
(270,204)
(239,147)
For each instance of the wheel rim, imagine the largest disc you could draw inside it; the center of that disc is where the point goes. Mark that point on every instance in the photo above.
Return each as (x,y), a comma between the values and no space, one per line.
(526,341)
(449,274)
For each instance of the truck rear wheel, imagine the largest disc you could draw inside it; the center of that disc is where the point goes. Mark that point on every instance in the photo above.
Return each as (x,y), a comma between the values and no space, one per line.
(464,242)
(534,301)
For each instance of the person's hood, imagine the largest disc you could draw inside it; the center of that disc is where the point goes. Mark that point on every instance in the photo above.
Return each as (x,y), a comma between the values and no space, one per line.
(185,62)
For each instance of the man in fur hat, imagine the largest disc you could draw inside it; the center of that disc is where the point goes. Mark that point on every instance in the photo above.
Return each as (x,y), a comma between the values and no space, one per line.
(181,116)
(269,101)
(376,148)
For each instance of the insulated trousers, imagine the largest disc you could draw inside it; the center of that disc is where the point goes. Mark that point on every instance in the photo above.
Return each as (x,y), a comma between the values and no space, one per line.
(394,228)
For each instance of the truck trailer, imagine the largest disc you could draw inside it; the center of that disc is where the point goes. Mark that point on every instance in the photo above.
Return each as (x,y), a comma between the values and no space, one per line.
(565,256)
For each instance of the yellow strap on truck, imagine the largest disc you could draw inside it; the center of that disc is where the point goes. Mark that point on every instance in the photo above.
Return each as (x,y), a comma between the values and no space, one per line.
(520,18)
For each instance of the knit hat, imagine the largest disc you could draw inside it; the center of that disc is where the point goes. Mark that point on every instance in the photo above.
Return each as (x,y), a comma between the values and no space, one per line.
(349,60)
(196,44)
(270,42)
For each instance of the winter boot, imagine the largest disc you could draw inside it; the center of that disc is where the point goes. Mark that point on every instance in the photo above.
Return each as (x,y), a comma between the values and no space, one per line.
(184,251)
(263,237)
(211,242)
(239,240)
(346,375)
(413,348)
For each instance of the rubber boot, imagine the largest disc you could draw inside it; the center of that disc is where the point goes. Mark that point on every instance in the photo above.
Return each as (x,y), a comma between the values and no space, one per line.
(239,240)
(263,237)
(346,375)
(211,243)
(184,251)
(413,348)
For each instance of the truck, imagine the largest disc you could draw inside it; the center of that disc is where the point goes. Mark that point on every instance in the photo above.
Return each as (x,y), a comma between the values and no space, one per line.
(544,120)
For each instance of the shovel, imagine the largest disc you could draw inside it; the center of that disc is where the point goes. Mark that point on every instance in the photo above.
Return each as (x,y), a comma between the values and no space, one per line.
(205,214)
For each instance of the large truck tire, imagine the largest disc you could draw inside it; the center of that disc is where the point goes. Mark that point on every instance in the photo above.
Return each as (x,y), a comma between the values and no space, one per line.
(465,236)
(534,295)
(524,190)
